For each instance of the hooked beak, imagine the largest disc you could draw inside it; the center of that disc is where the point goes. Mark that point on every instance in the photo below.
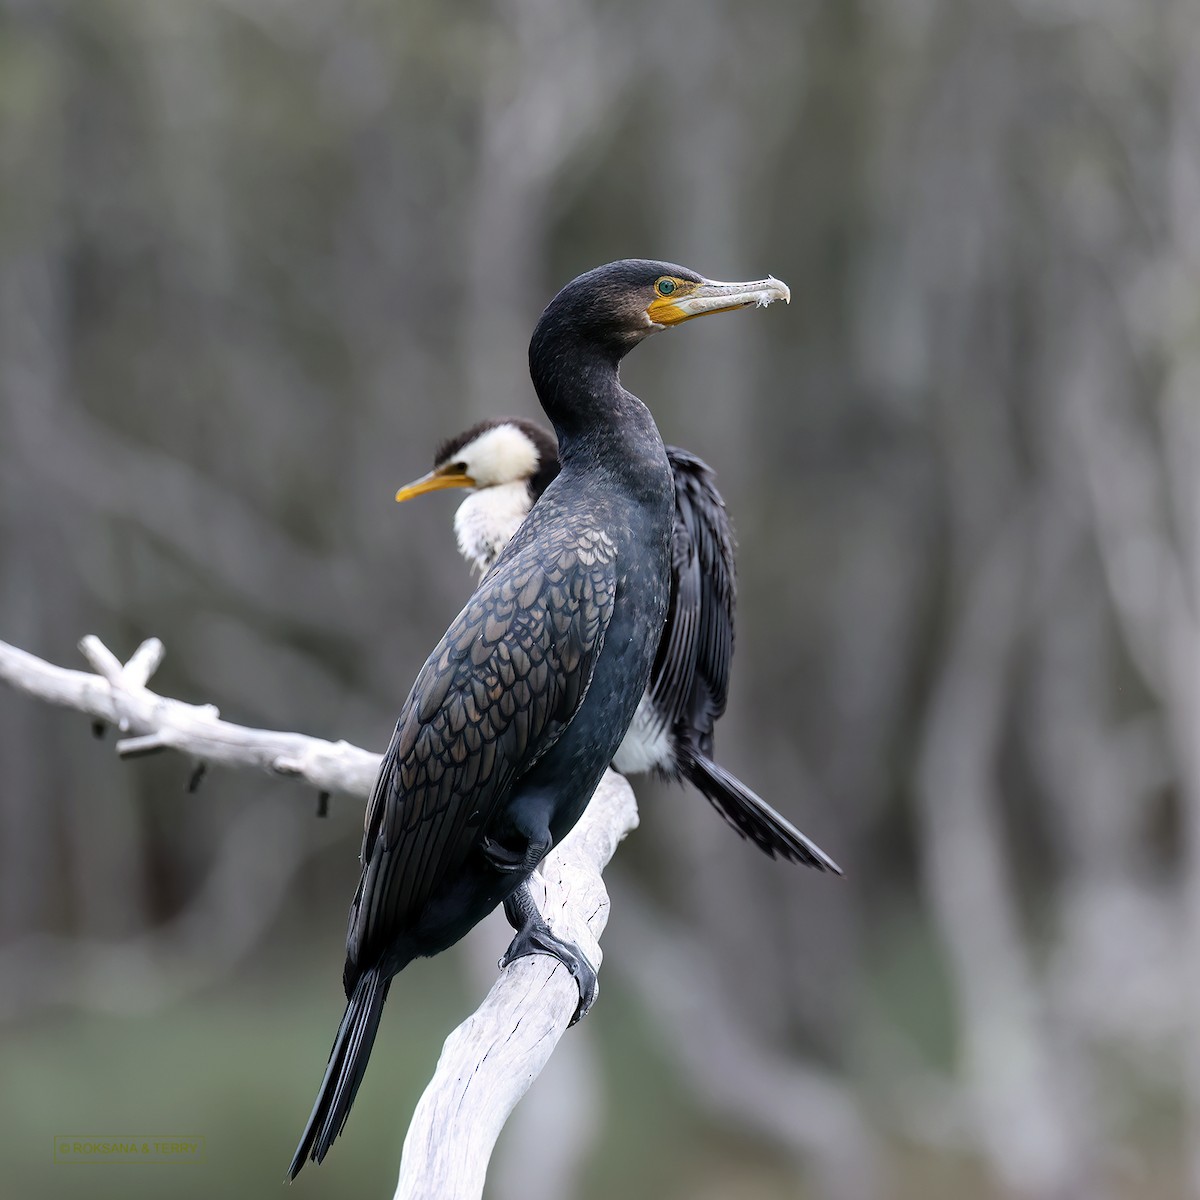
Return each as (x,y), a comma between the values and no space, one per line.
(435,481)
(711,296)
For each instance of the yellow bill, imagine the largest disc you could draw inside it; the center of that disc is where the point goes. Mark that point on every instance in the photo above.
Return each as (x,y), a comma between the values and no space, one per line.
(435,481)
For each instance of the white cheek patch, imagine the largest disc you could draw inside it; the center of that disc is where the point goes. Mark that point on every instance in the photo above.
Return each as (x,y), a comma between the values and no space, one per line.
(499,456)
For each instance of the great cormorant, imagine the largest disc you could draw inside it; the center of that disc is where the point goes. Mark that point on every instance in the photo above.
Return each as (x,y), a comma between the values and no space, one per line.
(508,464)
(519,709)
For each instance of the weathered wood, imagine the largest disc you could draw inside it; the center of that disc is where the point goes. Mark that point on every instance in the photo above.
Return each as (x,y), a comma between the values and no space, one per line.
(490,1060)
(117,694)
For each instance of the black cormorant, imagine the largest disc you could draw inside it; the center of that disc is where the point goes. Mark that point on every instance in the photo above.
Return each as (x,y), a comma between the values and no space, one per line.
(519,709)
(508,464)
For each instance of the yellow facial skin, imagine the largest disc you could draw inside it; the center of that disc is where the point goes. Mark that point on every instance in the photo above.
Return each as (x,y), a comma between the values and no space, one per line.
(435,481)
(689,299)
(665,310)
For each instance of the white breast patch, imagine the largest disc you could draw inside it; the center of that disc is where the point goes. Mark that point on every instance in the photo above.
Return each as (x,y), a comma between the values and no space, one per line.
(486,521)
(645,748)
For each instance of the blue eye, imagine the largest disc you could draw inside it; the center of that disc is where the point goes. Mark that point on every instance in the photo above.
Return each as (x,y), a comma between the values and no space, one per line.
(665,287)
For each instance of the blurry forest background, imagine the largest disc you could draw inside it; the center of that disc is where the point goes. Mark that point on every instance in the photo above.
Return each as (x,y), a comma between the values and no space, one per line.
(257,257)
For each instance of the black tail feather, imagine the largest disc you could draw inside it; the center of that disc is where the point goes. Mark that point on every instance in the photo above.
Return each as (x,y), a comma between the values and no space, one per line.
(749,813)
(347,1065)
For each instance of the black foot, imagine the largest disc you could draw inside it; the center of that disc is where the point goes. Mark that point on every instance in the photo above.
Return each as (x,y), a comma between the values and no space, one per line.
(512,861)
(534,936)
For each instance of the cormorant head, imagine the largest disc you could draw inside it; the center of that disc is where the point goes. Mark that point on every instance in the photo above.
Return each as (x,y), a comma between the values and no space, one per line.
(490,454)
(615,306)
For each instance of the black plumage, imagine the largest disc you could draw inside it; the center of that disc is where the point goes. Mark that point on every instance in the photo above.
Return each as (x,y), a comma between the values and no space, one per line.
(514,717)
(672,730)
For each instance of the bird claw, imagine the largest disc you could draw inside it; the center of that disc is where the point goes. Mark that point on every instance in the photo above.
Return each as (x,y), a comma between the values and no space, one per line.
(504,859)
(537,938)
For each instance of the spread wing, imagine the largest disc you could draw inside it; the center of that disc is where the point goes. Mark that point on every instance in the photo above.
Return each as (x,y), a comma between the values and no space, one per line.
(506,679)
(689,683)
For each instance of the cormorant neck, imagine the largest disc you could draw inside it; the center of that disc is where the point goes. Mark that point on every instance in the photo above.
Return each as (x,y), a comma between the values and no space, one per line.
(578,384)
(575,379)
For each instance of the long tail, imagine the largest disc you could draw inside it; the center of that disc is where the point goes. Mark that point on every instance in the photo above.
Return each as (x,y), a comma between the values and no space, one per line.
(749,813)
(347,1064)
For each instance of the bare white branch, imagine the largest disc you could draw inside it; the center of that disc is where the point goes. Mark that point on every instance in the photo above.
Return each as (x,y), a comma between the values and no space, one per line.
(119,696)
(102,658)
(489,1061)
(147,658)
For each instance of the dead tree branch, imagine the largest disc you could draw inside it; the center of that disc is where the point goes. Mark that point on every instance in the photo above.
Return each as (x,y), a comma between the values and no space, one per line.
(489,1062)
(117,694)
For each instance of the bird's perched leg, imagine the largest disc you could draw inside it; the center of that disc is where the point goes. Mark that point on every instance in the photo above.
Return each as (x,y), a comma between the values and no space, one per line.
(534,936)
(507,860)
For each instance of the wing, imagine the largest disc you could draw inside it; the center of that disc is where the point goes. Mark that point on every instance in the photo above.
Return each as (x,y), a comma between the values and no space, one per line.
(689,683)
(506,679)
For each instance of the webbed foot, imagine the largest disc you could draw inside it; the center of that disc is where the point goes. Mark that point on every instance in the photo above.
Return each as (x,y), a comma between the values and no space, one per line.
(534,936)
